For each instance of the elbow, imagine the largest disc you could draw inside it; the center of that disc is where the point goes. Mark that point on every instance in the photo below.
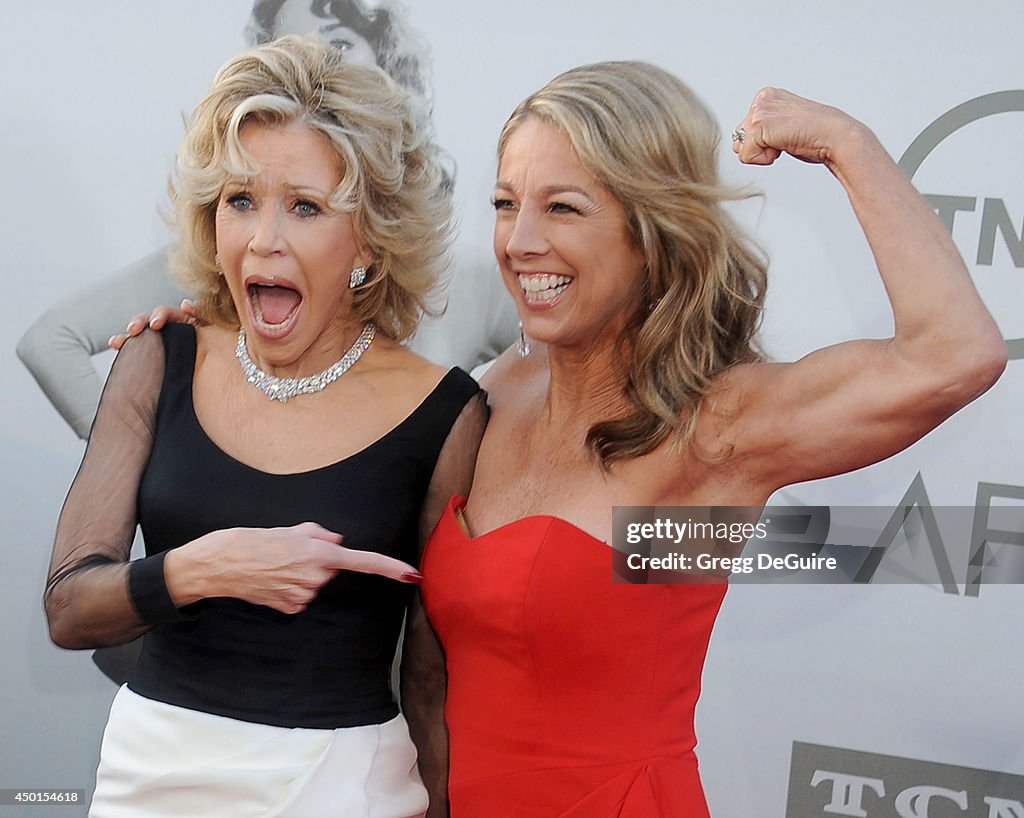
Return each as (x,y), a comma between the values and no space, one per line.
(972,371)
(31,346)
(985,361)
(52,333)
(63,630)
(63,636)
(423,687)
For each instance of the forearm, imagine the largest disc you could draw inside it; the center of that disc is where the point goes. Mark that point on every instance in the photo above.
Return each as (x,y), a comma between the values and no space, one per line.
(217,564)
(61,363)
(423,682)
(429,734)
(88,597)
(939,317)
(99,602)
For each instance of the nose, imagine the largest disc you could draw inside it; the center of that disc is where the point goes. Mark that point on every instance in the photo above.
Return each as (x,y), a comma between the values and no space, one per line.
(523,234)
(267,238)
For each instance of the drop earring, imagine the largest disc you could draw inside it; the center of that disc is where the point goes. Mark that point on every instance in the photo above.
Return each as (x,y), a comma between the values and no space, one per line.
(523,344)
(357,277)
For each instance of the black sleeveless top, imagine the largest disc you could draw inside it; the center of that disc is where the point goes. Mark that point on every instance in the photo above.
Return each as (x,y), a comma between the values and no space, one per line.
(329,666)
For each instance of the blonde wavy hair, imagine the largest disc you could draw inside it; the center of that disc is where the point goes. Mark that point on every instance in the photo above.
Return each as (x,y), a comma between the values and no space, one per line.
(392,187)
(649,140)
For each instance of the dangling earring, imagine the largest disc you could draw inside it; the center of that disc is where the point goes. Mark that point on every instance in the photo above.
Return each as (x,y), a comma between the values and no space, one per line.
(358,277)
(523,344)
(216,261)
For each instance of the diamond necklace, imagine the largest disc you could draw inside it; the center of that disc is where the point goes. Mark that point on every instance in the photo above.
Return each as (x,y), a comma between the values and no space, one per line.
(283,389)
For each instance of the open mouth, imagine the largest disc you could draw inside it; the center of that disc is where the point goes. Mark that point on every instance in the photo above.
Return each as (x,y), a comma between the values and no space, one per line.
(274,308)
(542,289)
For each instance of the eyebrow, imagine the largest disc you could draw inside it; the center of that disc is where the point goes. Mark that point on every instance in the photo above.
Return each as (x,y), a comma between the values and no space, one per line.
(249,181)
(308,189)
(549,190)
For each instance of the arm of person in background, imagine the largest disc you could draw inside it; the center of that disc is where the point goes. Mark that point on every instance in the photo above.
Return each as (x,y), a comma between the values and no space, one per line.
(95,595)
(424,676)
(855,403)
(58,347)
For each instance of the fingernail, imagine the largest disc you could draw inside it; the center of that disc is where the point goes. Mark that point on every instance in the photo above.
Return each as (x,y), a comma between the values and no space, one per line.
(414,577)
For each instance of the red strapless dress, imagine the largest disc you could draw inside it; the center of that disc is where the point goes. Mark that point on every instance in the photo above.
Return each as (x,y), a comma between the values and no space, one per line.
(568,694)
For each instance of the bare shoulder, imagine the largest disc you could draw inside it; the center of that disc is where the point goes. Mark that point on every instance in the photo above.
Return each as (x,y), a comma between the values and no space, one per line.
(145,343)
(141,358)
(395,368)
(733,408)
(732,391)
(510,375)
(741,384)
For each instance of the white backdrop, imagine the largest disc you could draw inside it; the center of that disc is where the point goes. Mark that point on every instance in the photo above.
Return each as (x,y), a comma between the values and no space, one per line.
(91,101)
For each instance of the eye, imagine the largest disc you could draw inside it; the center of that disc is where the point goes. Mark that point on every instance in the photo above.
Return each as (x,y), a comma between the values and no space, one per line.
(306,209)
(562,207)
(239,201)
(502,204)
(343,45)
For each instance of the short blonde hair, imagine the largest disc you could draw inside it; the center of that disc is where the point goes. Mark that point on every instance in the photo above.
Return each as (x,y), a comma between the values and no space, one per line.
(391,185)
(651,142)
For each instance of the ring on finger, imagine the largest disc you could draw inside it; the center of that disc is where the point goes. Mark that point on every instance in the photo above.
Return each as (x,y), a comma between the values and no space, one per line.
(739,135)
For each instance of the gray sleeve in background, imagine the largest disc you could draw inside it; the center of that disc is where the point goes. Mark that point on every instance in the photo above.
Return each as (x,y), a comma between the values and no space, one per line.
(58,347)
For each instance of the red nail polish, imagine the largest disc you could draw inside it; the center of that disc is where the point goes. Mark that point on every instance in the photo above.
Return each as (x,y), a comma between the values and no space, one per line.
(414,577)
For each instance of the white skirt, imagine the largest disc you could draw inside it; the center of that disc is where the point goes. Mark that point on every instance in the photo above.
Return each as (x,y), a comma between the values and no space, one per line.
(161,760)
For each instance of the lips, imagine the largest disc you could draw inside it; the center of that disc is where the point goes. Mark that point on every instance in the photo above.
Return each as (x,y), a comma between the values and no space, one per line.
(542,288)
(273,305)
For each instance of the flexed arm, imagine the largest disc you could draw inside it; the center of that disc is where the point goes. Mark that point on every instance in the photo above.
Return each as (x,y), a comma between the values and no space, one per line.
(858,402)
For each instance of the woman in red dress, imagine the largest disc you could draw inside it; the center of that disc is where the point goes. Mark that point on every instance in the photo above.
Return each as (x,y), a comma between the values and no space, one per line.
(641,384)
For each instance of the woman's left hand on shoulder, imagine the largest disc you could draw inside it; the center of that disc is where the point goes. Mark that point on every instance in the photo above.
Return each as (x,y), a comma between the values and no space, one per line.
(185,313)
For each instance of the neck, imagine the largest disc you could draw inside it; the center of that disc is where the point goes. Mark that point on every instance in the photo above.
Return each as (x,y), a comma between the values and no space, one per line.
(587,385)
(278,361)
(283,389)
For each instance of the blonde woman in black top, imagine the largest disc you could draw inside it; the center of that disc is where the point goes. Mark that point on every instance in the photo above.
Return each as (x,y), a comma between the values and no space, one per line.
(277,458)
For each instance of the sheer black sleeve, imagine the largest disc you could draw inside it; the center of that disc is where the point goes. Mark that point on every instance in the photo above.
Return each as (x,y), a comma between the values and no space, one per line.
(424,678)
(94,595)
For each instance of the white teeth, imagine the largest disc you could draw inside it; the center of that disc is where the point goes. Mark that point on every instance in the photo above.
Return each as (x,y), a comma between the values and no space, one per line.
(545,286)
(546,295)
